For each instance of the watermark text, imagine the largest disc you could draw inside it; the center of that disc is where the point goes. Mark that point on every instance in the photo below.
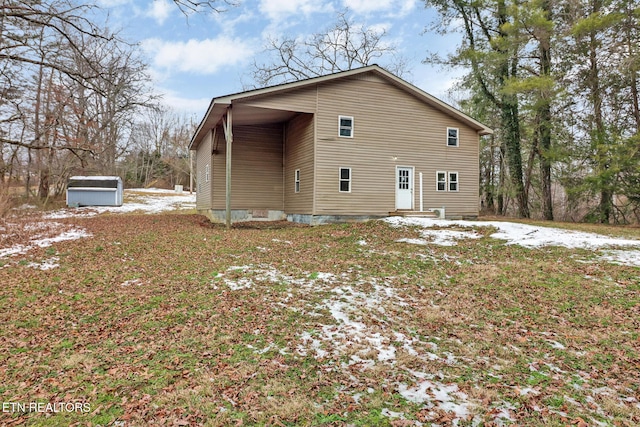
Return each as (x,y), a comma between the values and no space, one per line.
(26,407)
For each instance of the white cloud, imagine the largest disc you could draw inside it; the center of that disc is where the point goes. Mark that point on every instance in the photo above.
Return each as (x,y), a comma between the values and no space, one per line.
(112,3)
(395,7)
(195,107)
(278,10)
(159,10)
(198,56)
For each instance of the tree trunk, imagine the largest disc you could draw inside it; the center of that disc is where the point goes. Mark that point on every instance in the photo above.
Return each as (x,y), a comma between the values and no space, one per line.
(599,139)
(502,207)
(510,116)
(544,114)
(511,123)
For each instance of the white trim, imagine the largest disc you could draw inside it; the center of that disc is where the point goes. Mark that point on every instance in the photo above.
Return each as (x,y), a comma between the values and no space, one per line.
(296,181)
(341,180)
(457,144)
(447,181)
(351,128)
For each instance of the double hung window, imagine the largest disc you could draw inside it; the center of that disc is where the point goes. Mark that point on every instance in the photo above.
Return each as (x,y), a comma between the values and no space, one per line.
(345,180)
(345,126)
(452,137)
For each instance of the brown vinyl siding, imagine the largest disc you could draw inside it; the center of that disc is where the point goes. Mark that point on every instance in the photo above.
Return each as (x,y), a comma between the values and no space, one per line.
(302,100)
(299,156)
(394,125)
(203,189)
(256,168)
(391,128)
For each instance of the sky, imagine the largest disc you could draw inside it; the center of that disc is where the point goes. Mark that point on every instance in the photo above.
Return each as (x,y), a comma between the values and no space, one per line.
(196,58)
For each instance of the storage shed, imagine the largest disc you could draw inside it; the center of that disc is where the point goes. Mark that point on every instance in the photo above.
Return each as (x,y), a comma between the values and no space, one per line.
(94,191)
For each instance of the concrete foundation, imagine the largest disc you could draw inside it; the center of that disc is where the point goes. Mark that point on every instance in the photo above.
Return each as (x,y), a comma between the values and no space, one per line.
(329,219)
(244,215)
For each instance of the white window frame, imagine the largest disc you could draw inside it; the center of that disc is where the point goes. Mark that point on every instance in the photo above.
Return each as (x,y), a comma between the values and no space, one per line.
(207,172)
(457,137)
(438,181)
(341,180)
(350,128)
(455,182)
(296,181)
(447,182)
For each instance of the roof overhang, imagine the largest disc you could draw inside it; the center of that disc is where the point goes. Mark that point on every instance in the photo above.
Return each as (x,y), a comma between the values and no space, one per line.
(242,115)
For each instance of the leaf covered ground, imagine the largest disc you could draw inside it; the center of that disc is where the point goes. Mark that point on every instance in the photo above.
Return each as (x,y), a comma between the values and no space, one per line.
(167,319)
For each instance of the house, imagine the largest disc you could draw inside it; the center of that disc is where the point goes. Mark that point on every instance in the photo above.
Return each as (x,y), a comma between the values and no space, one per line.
(348,146)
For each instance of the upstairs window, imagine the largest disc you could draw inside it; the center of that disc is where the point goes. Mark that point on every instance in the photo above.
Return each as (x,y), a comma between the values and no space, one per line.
(345,126)
(296,178)
(452,137)
(345,180)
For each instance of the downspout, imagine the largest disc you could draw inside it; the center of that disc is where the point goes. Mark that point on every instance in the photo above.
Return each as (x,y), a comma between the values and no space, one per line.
(228,136)
(284,166)
(315,154)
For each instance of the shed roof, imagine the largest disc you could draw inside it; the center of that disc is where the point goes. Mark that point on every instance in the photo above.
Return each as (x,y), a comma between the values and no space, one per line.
(219,105)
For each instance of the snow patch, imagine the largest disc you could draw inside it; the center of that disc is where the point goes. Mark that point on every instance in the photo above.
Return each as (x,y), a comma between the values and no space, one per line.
(46,264)
(152,201)
(73,234)
(629,257)
(447,397)
(529,236)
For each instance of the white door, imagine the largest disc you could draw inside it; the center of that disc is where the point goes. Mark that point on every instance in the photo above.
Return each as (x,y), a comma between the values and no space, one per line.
(404,187)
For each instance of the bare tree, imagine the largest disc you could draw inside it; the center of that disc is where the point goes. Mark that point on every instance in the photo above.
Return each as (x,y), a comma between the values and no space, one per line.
(158,149)
(69,89)
(195,6)
(343,46)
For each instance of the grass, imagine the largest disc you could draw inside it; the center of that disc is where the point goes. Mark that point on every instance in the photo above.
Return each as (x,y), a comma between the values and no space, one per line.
(172,320)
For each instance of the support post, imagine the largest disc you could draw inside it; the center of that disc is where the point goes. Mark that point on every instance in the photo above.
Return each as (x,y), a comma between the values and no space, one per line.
(421,205)
(190,171)
(228,136)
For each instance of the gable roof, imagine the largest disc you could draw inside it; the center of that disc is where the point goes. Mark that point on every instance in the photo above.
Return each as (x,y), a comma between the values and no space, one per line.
(218,106)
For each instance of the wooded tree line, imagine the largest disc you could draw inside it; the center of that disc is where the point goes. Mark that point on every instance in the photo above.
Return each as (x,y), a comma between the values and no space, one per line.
(558,81)
(75,98)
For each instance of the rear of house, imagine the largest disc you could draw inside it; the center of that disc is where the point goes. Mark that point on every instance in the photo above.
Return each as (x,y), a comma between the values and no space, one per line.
(348,146)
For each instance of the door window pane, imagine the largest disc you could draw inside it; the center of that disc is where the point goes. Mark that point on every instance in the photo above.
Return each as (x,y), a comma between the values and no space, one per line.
(403,179)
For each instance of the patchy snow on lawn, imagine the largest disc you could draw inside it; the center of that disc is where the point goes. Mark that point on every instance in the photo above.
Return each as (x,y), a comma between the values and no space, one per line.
(46,264)
(147,200)
(529,236)
(46,232)
(442,237)
(38,241)
(629,257)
